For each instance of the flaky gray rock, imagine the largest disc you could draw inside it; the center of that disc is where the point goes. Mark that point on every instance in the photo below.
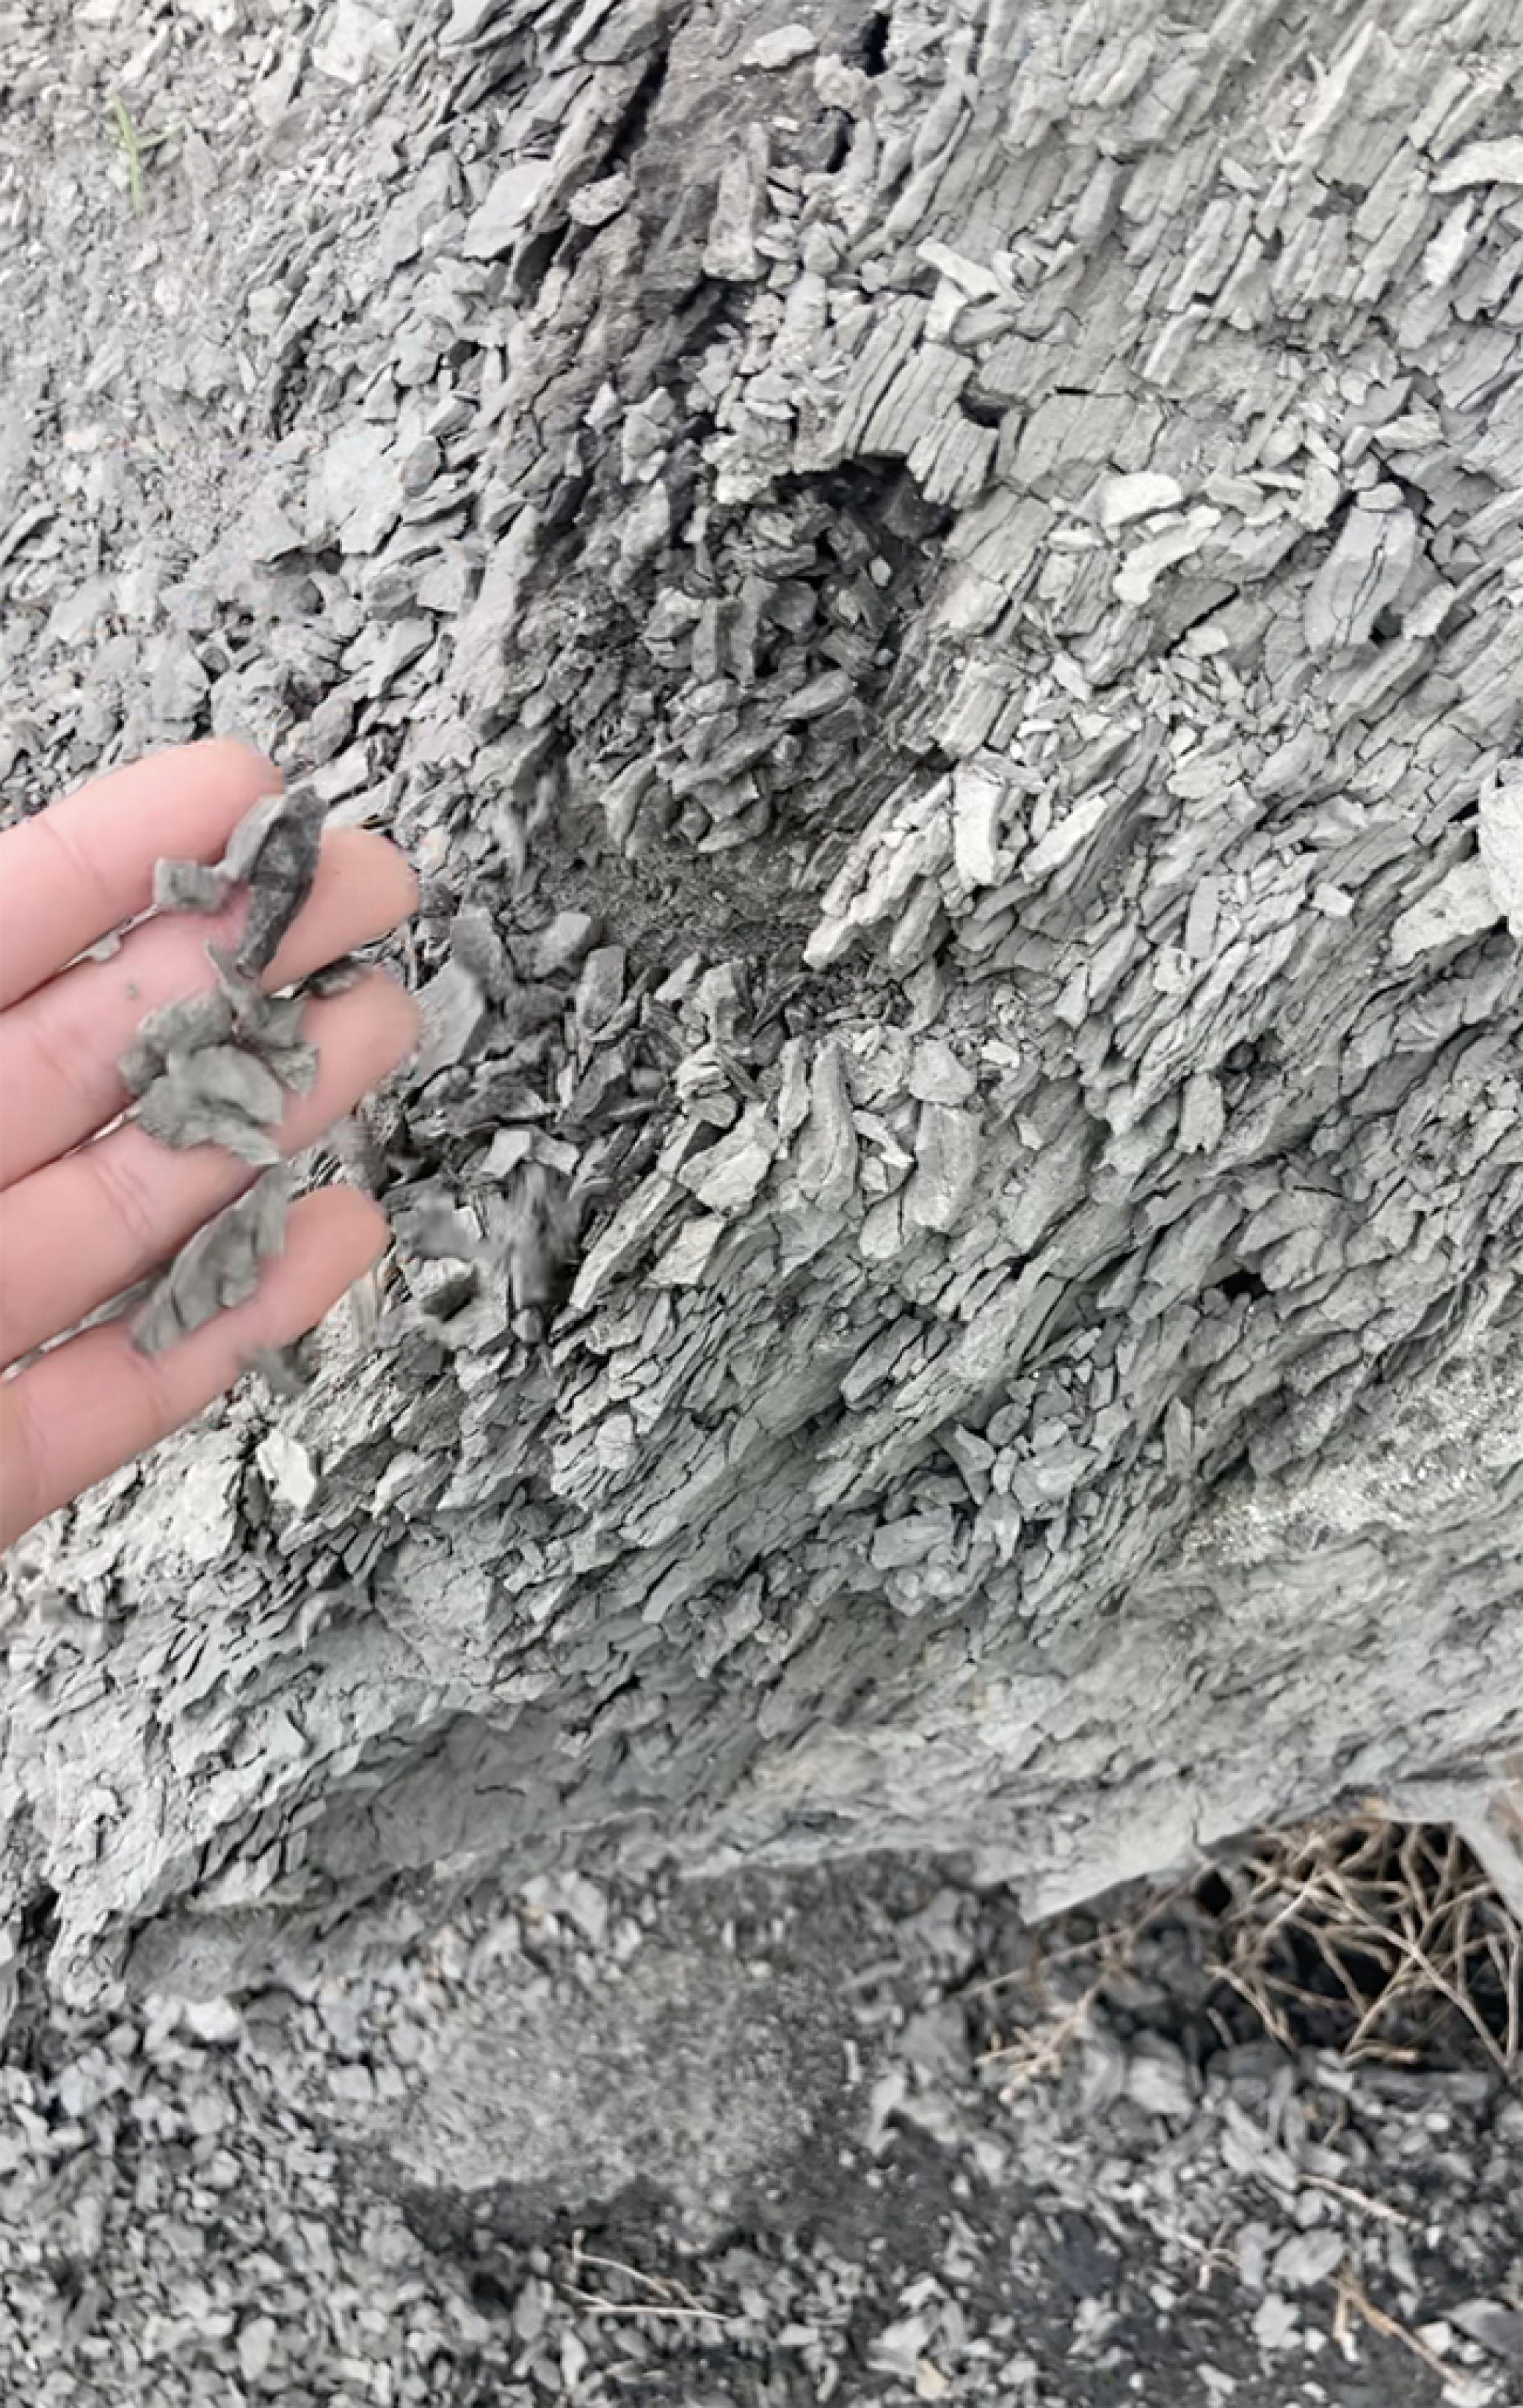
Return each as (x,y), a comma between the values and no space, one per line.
(960,634)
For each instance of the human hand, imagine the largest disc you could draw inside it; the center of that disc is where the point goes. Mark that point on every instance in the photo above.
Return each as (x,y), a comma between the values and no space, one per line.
(84,1215)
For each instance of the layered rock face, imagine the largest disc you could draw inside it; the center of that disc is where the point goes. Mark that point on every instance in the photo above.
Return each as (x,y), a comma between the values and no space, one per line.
(934,594)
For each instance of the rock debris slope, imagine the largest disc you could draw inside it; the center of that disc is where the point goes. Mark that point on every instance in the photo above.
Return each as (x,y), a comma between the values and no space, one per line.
(933,591)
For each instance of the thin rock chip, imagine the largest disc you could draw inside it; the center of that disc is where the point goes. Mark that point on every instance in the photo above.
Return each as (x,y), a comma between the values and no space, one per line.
(188,886)
(273,850)
(217,1268)
(260,1020)
(243,845)
(281,869)
(220,1094)
(270,1026)
(294,1066)
(219,1049)
(175,1028)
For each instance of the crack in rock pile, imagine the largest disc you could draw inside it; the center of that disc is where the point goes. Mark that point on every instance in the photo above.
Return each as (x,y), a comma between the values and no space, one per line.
(931,592)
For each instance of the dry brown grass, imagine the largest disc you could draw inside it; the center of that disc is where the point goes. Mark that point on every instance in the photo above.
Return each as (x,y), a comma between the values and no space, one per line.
(1385,1939)
(1040,2045)
(1381,1941)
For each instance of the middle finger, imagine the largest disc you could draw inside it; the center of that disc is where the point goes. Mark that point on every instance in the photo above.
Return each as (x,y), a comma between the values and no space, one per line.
(59,1045)
(79,1231)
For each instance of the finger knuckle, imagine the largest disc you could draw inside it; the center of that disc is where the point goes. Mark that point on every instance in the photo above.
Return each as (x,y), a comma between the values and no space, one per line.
(22,1455)
(128,1194)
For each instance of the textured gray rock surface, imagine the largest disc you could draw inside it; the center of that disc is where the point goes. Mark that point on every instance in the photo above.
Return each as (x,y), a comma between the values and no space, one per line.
(936,611)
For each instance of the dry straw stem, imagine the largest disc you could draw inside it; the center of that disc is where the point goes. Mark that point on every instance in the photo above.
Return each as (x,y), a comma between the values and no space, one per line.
(673,2301)
(1353,2299)
(1401,1918)
(1043,2049)
(134,143)
(1406,1922)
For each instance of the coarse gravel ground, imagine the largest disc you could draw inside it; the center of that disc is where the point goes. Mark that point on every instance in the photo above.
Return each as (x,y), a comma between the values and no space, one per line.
(739,2142)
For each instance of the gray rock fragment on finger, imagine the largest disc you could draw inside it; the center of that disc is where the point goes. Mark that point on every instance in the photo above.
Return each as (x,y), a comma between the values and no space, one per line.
(175,1028)
(269,1027)
(189,886)
(259,1020)
(274,852)
(279,865)
(211,1068)
(220,1095)
(217,1269)
(294,1066)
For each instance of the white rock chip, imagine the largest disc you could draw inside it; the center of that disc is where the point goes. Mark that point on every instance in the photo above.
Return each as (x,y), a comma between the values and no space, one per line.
(947,1145)
(1482,163)
(937,1076)
(728,1176)
(1366,570)
(354,41)
(494,227)
(1460,905)
(1136,496)
(781,48)
(1501,841)
(287,1469)
(977,799)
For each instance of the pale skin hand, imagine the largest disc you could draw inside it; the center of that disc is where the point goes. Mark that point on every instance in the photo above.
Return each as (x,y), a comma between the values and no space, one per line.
(84,1214)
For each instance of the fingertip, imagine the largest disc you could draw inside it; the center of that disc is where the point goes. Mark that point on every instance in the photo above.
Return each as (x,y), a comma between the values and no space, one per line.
(93,1402)
(239,758)
(363,888)
(395,1015)
(209,786)
(407,885)
(351,1227)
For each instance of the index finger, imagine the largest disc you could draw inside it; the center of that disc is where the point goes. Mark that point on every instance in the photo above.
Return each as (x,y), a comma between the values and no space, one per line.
(86,864)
